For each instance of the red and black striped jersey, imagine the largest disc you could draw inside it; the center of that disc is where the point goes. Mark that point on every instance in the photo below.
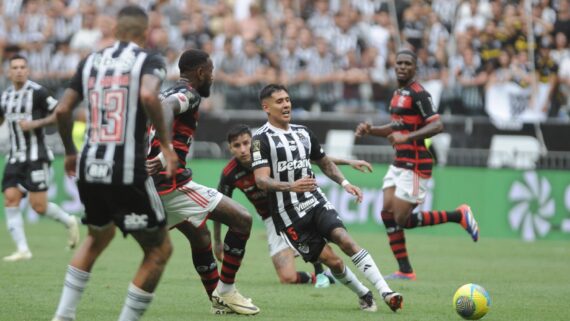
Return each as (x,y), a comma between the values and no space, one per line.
(412,108)
(183,129)
(235,175)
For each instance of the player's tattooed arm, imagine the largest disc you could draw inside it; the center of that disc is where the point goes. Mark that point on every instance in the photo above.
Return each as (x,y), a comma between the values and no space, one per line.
(358,164)
(330,169)
(264,181)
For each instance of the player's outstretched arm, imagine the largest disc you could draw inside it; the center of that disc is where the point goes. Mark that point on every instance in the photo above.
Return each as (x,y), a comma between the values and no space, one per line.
(27,125)
(366,128)
(333,172)
(358,164)
(429,130)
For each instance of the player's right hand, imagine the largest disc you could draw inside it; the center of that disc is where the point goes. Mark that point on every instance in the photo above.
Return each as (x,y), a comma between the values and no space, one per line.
(171,160)
(363,129)
(154,166)
(70,163)
(305,184)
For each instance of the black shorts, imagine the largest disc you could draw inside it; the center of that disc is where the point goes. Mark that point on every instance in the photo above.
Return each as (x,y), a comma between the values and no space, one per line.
(27,176)
(309,234)
(130,207)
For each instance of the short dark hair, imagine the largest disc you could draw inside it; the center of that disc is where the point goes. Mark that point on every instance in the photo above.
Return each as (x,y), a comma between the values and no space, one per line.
(237,131)
(132,11)
(408,52)
(132,22)
(268,90)
(18,56)
(191,59)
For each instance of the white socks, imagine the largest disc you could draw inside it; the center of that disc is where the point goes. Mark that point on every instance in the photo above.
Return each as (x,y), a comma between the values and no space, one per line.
(136,303)
(349,280)
(73,286)
(224,288)
(364,262)
(55,212)
(15,224)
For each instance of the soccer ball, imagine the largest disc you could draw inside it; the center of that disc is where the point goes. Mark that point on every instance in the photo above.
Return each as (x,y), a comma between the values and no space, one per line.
(471,301)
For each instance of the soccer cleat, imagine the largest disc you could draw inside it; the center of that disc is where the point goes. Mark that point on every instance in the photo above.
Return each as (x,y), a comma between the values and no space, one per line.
(322,281)
(73,231)
(468,221)
(394,300)
(56,319)
(18,256)
(235,302)
(367,302)
(220,309)
(401,276)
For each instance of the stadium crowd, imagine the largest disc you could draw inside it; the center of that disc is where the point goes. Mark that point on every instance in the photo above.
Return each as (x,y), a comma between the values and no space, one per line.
(334,55)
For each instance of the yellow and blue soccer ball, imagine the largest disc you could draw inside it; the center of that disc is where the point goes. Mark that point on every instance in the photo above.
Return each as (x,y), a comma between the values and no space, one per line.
(471,301)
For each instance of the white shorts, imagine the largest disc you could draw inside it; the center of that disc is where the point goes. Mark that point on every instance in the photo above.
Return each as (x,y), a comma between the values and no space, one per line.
(409,185)
(191,202)
(275,242)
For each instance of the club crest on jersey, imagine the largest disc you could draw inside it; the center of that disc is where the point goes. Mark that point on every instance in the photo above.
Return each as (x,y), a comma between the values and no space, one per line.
(304,140)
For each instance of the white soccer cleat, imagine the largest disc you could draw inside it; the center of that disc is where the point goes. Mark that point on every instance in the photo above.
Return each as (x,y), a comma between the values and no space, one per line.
(234,301)
(73,231)
(18,256)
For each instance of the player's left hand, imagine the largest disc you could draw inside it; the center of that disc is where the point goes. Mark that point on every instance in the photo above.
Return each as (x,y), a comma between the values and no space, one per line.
(354,190)
(361,165)
(154,166)
(27,125)
(396,138)
(69,164)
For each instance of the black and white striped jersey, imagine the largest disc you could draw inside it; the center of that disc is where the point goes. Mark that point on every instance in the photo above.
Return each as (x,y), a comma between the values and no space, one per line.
(31,102)
(116,138)
(288,153)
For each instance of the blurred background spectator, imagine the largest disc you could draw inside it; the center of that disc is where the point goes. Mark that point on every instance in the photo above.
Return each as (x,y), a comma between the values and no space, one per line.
(336,56)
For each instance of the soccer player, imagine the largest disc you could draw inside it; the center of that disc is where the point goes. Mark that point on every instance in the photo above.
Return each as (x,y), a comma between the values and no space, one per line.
(187,201)
(28,107)
(238,174)
(281,162)
(413,118)
(121,85)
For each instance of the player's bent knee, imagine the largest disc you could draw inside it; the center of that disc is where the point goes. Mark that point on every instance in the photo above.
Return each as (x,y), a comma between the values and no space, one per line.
(40,208)
(401,220)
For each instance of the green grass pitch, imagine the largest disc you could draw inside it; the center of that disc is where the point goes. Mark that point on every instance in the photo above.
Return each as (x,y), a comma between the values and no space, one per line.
(526,281)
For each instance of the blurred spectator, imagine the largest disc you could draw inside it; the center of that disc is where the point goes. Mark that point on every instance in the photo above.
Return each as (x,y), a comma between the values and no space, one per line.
(471,77)
(323,75)
(293,74)
(106,25)
(561,49)
(562,23)
(86,38)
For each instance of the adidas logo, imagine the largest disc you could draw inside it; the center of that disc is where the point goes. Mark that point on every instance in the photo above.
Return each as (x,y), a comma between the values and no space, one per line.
(280,145)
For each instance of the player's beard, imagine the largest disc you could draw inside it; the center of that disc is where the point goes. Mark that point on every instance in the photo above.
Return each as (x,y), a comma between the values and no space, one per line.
(204,90)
